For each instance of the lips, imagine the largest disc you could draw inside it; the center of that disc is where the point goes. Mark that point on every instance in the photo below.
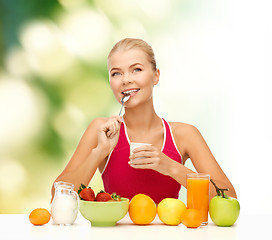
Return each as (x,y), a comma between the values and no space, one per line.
(130,91)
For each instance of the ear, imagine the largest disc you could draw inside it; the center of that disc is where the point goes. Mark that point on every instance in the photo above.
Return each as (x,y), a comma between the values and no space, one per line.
(157,77)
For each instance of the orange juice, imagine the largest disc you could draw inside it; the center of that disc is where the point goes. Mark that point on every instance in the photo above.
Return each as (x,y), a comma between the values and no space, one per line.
(198,194)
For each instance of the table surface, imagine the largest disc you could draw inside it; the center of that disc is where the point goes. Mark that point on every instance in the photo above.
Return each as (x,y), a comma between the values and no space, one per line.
(16,226)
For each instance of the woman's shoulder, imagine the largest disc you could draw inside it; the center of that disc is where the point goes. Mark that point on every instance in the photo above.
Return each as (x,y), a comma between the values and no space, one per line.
(184,135)
(93,127)
(98,121)
(95,124)
(181,130)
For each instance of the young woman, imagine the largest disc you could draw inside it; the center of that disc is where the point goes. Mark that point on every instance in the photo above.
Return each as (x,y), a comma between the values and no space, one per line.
(156,170)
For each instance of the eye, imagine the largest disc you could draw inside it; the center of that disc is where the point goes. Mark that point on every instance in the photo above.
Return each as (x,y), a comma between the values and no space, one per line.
(137,70)
(115,74)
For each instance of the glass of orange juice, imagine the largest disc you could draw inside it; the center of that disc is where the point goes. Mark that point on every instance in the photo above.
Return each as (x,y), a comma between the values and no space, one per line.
(198,193)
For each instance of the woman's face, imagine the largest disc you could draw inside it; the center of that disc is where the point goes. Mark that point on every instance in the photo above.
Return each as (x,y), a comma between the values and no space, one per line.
(130,72)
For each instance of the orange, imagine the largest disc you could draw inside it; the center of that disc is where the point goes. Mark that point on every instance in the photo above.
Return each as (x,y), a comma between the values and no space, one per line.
(142,209)
(170,211)
(192,218)
(39,216)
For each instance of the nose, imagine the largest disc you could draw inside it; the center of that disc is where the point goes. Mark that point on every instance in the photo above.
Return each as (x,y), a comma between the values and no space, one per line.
(126,79)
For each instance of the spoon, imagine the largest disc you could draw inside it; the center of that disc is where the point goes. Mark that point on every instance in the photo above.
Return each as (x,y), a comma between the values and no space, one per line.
(123,100)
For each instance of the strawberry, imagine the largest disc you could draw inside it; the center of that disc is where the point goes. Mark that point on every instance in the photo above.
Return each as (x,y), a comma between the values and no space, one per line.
(103,197)
(115,197)
(86,193)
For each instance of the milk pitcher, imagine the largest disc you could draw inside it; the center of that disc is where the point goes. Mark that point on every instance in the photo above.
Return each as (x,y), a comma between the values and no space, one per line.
(64,207)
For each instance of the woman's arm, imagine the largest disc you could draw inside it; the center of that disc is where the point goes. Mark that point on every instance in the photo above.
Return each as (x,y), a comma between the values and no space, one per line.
(195,147)
(95,145)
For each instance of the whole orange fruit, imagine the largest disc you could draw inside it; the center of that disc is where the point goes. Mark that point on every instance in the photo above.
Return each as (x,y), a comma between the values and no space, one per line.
(39,216)
(142,209)
(192,218)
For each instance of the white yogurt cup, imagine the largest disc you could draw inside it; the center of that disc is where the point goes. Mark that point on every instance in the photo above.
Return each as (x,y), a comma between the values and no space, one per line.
(134,145)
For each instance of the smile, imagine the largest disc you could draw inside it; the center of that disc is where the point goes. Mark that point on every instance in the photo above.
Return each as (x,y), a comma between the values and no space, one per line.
(128,92)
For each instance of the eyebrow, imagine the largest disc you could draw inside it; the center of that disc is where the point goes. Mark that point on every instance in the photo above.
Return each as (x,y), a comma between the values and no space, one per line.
(134,64)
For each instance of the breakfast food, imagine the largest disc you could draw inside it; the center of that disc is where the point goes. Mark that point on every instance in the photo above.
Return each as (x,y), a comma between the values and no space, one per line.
(224,210)
(192,218)
(142,209)
(103,197)
(39,216)
(115,197)
(87,194)
(171,210)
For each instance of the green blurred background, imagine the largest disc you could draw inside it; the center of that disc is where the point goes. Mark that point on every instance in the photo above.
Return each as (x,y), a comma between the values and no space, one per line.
(54,81)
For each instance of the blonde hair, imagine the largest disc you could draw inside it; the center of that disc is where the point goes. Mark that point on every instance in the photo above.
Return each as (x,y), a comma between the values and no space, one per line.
(131,43)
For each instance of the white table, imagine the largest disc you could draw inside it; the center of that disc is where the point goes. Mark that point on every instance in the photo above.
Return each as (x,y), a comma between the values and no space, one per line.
(17,226)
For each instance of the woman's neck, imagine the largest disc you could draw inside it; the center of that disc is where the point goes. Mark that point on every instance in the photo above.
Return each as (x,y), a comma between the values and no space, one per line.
(142,118)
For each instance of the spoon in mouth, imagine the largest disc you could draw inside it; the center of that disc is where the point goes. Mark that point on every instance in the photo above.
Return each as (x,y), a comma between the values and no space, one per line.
(123,100)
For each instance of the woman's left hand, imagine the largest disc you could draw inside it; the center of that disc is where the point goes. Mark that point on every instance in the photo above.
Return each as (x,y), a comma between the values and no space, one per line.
(150,157)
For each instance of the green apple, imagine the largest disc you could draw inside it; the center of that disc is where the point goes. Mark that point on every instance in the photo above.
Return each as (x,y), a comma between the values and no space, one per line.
(223,210)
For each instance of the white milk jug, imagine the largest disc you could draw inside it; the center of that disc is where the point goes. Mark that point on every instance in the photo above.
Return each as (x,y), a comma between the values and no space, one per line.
(64,207)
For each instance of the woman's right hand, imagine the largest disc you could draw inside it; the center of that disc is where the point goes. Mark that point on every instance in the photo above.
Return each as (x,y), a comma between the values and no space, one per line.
(108,133)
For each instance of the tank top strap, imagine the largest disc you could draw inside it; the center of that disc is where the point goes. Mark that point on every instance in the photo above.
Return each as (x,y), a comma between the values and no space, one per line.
(170,143)
(122,141)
